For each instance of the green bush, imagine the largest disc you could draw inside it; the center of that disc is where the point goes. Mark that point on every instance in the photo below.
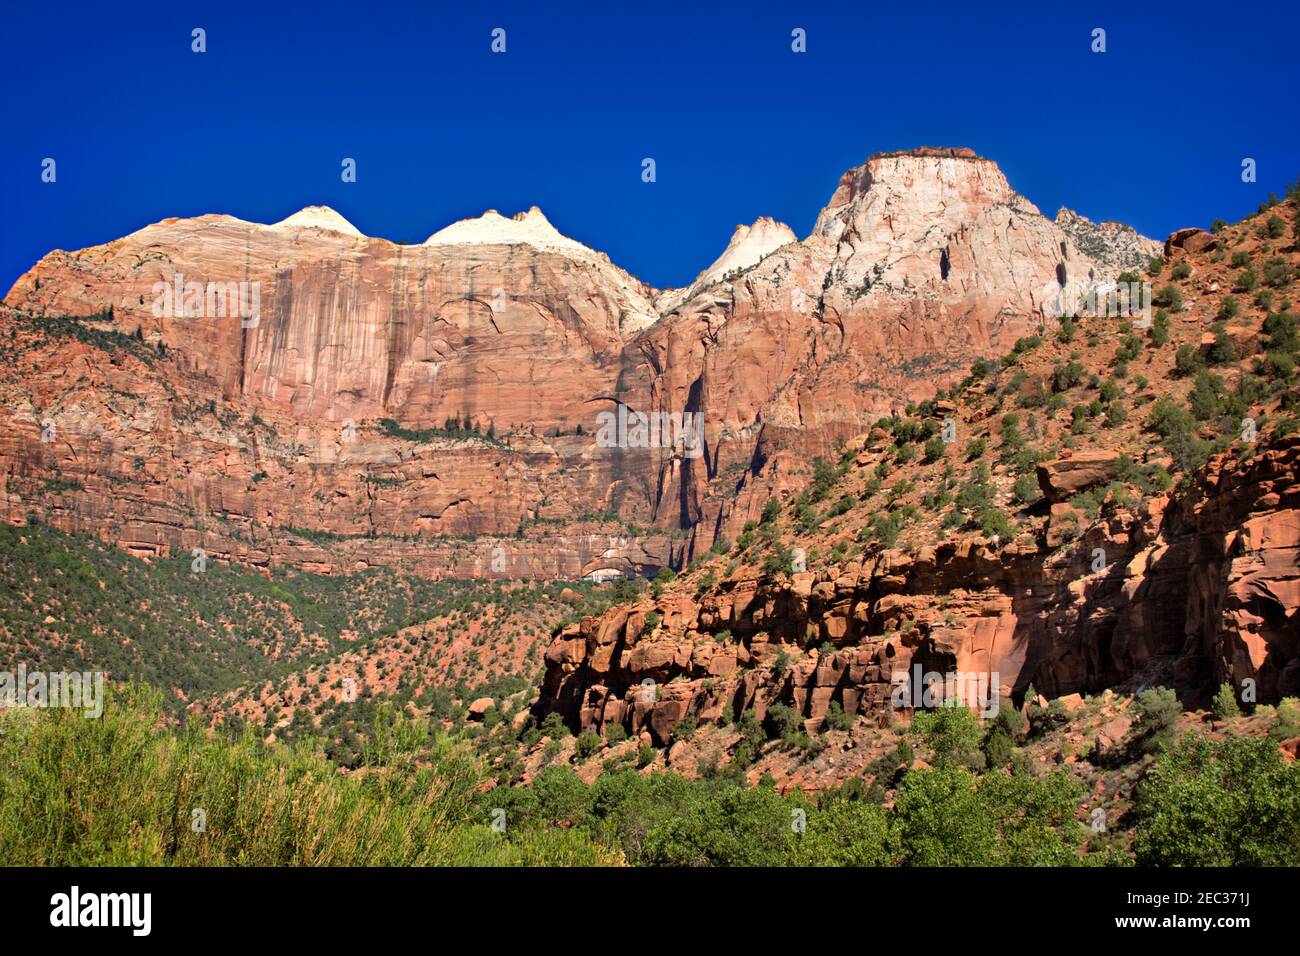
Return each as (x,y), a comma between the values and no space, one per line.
(1168,297)
(1026,489)
(1157,718)
(1219,803)
(952,733)
(1159,333)
(1225,703)
(731,827)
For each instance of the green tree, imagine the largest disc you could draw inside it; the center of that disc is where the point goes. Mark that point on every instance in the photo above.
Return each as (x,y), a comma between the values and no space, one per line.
(953,733)
(733,826)
(941,820)
(1219,803)
(845,833)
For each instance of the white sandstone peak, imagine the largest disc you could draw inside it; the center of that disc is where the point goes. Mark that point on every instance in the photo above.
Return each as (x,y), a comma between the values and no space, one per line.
(530,228)
(749,245)
(319,217)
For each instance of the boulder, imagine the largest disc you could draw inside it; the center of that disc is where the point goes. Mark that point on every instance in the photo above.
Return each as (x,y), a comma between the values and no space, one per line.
(1189,240)
(1065,477)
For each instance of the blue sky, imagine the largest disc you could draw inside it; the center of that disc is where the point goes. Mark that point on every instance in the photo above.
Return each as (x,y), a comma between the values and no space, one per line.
(1152,132)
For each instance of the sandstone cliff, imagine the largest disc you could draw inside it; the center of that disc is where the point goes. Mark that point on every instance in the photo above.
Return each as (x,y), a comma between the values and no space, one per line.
(388,403)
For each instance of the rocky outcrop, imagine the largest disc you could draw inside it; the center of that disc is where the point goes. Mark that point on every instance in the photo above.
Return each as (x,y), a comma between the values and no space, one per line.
(1206,584)
(1066,477)
(1190,240)
(1113,245)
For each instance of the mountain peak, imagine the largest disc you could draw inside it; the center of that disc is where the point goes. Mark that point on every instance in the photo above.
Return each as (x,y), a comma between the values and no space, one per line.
(319,217)
(935,152)
(529,228)
(748,246)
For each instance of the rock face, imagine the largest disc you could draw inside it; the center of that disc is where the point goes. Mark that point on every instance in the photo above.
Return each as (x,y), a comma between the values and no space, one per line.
(749,245)
(1207,581)
(302,391)
(1113,245)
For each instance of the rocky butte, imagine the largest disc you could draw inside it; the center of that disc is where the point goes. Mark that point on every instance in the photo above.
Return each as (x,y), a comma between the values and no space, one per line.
(433,406)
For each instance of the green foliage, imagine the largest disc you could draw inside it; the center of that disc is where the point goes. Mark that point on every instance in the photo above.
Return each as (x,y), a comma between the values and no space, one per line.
(1159,333)
(1219,803)
(1280,327)
(587,744)
(1225,703)
(453,428)
(934,448)
(1168,297)
(1208,396)
(1157,718)
(1066,376)
(731,827)
(1177,428)
(836,718)
(953,733)
(200,633)
(120,790)
(845,833)
(1026,489)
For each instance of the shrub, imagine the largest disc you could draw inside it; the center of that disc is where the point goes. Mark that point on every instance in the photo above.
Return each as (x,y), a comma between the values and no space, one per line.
(734,826)
(588,743)
(934,449)
(1222,351)
(1280,327)
(836,718)
(1026,489)
(953,733)
(1188,359)
(845,833)
(1225,703)
(1158,713)
(615,734)
(1168,297)
(1159,333)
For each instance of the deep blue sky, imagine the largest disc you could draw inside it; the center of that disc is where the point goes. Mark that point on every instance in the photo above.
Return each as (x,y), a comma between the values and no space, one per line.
(1152,132)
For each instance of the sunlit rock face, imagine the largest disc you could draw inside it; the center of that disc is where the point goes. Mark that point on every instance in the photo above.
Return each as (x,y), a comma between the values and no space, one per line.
(302,376)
